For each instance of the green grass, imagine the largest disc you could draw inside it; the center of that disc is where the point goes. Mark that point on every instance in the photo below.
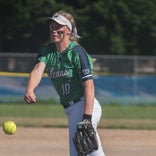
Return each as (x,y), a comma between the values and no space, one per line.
(129,112)
(32,110)
(52,115)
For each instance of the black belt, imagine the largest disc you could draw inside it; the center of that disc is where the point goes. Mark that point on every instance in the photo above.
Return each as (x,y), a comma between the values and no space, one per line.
(71,103)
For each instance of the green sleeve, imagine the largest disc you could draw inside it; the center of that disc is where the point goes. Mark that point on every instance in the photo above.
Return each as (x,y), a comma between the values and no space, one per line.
(44,54)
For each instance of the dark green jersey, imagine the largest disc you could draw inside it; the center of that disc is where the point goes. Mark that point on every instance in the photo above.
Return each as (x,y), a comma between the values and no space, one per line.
(67,70)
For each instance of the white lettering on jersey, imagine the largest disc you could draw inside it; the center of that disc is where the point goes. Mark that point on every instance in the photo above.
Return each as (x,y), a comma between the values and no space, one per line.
(86,71)
(56,74)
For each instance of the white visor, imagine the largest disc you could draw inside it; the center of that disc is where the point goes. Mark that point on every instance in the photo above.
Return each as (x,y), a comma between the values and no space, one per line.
(60,20)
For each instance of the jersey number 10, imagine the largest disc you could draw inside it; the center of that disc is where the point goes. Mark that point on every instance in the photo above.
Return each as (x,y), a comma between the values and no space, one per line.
(65,88)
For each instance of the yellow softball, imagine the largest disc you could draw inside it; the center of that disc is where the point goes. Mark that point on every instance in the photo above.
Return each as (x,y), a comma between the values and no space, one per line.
(9,127)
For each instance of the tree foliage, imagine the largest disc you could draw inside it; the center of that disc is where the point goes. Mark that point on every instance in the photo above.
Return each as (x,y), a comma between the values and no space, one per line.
(106,27)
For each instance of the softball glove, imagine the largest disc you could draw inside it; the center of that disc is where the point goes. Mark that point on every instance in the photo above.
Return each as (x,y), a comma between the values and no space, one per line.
(85,140)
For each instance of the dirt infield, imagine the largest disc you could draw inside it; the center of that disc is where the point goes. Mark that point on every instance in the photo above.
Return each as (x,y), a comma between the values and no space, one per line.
(54,141)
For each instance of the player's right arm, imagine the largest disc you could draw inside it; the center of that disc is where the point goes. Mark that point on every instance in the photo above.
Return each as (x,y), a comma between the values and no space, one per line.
(34,80)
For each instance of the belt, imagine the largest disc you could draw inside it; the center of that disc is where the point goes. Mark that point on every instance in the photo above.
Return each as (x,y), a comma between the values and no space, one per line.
(71,103)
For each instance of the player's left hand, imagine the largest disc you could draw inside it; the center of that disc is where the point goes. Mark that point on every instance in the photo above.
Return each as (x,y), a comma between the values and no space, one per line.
(85,140)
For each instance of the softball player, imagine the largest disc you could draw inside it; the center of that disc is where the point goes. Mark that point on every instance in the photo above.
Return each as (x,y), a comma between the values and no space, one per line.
(70,69)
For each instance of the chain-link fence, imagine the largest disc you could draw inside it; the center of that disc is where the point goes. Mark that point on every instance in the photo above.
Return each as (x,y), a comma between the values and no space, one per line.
(105,64)
(17,62)
(116,64)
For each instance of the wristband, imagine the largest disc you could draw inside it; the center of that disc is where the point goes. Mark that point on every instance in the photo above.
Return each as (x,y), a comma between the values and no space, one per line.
(87,116)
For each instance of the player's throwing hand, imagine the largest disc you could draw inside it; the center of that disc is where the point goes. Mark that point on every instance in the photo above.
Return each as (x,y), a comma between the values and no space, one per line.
(30,97)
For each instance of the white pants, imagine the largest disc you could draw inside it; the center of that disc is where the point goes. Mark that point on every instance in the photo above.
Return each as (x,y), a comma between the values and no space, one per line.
(75,114)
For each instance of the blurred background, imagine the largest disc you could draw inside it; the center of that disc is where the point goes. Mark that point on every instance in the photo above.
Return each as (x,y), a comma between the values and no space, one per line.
(119,35)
